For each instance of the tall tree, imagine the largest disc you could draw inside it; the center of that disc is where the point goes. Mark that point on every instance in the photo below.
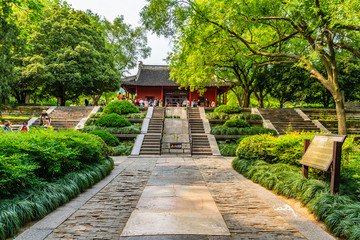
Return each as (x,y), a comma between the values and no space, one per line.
(310,34)
(12,38)
(74,50)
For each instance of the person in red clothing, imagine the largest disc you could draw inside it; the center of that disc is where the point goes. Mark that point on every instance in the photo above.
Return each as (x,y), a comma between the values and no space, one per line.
(24,127)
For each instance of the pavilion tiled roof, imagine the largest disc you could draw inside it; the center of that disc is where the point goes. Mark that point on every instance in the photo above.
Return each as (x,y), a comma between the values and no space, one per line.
(155,75)
(151,75)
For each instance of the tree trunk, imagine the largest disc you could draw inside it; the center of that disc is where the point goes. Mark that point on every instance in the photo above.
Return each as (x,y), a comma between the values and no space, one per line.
(247,95)
(27,99)
(340,112)
(281,104)
(96,99)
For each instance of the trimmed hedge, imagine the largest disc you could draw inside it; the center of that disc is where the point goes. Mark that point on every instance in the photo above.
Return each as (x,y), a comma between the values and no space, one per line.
(221,130)
(228,149)
(120,107)
(133,129)
(237,123)
(28,158)
(112,120)
(123,149)
(225,116)
(106,137)
(35,203)
(227,109)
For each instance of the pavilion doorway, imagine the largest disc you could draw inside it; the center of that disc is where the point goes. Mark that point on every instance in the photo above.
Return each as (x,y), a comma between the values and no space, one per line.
(174,98)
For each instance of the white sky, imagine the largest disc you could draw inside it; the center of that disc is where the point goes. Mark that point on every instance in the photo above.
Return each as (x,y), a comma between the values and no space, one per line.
(130,9)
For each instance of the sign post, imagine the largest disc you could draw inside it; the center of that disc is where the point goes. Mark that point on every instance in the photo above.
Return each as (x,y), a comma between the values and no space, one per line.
(323,152)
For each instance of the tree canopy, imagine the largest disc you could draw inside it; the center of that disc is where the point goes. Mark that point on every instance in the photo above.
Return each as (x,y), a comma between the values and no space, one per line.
(52,50)
(309,34)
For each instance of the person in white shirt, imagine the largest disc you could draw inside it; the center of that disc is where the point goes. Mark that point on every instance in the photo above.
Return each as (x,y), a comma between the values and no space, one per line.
(213,104)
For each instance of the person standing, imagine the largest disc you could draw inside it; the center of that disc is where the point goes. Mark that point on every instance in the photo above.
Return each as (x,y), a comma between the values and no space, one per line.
(160,103)
(146,103)
(207,102)
(213,104)
(193,104)
(24,127)
(45,120)
(86,102)
(7,127)
(198,103)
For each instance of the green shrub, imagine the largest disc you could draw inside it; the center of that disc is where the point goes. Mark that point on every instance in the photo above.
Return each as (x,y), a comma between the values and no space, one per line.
(124,149)
(46,155)
(36,202)
(225,116)
(120,107)
(221,130)
(133,129)
(228,149)
(134,115)
(227,109)
(16,173)
(106,137)
(237,123)
(285,149)
(112,120)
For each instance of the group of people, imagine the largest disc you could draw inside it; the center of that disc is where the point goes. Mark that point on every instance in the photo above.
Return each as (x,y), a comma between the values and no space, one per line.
(197,103)
(45,121)
(139,102)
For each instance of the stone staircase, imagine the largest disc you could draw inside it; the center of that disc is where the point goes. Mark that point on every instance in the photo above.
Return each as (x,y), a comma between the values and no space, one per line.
(285,119)
(200,141)
(67,117)
(151,142)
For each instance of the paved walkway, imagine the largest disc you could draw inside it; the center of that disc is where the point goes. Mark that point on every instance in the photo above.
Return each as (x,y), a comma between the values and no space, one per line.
(175,198)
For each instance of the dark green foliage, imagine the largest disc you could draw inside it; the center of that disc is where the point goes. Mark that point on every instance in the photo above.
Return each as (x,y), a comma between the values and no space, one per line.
(227,109)
(221,130)
(121,107)
(112,120)
(228,149)
(133,129)
(236,123)
(221,115)
(46,155)
(16,174)
(35,203)
(123,149)
(106,137)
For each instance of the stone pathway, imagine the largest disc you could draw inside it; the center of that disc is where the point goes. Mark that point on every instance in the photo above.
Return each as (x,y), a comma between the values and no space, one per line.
(177,198)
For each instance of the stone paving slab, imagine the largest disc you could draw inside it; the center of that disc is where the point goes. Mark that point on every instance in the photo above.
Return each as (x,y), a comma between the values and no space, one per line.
(175,202)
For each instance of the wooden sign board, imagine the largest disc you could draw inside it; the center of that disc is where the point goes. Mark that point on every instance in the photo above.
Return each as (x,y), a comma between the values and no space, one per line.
(175,145)
(320,153)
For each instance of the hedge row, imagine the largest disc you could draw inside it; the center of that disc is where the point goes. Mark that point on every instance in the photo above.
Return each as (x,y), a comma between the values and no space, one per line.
(35,203)
(226,116)
(221,130)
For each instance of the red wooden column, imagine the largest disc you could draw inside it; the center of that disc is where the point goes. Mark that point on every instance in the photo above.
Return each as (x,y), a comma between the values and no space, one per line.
(190,97)
(162,94)
(215,97)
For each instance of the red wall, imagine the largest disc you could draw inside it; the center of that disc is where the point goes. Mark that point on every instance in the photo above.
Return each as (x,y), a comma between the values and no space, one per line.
(144,92)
